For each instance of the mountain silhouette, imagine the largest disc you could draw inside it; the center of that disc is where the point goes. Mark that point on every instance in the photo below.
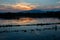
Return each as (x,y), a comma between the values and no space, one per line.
(33,11)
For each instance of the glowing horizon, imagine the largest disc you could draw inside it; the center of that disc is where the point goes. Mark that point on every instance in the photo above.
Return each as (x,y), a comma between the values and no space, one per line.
(21,5)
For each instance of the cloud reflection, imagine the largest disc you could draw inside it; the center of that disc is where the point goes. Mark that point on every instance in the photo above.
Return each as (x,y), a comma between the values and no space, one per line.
(24,21)
(21,21)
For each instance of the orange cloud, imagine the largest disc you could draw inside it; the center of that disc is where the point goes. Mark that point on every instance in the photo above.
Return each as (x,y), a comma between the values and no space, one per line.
(18,6)
(23,6)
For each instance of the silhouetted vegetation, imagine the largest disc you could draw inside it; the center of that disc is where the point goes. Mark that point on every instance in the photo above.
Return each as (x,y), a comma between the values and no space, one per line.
(18,15)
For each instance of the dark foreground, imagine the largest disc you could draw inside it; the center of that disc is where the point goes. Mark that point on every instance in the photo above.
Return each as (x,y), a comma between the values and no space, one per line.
(45,32)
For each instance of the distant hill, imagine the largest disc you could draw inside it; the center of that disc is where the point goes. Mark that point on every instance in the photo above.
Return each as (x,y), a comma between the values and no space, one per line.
(34,11)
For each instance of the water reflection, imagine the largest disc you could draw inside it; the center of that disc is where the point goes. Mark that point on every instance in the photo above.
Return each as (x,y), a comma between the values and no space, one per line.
(45,33)
(40,32)
(24,21)
(25,29)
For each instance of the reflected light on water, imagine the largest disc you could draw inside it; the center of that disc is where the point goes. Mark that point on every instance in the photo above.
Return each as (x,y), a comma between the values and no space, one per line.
(24,21)
(27,20)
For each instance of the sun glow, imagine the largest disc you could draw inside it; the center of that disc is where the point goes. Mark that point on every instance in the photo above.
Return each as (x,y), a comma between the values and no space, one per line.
(23,6)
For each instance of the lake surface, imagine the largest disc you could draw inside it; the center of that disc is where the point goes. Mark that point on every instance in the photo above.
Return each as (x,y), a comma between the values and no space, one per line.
(41,32)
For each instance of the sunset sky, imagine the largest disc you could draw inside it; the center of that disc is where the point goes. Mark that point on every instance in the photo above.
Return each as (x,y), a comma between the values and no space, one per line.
(21,5)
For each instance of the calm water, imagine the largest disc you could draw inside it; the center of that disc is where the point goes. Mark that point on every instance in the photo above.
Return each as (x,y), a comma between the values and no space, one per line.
(44,32)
